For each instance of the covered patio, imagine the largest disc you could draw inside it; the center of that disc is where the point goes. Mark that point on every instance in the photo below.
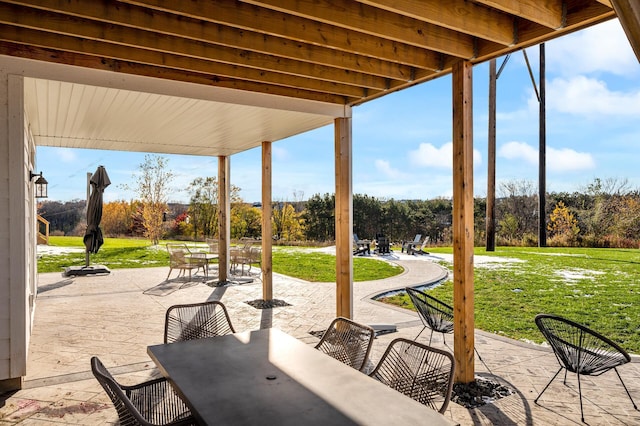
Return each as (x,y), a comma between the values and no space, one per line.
(112,318)
(217,78)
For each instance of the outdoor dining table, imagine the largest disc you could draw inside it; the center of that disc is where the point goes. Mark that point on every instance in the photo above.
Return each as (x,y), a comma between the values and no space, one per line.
(269,377)
(206,257)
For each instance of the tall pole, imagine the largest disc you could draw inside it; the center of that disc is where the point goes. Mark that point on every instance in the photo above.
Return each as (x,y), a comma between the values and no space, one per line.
(542,180)
(491,158)
(86,209)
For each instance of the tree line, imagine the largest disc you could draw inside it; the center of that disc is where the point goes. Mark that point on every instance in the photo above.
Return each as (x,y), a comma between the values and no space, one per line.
(606,213)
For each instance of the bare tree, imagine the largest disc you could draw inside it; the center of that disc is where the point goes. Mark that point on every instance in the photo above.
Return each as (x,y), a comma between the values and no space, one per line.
(517,205)
(152,186)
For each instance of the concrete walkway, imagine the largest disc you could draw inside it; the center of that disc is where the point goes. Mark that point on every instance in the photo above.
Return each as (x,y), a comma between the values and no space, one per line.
(117,316)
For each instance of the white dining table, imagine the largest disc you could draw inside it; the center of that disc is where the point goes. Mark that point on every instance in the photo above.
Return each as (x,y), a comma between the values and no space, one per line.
(267,377)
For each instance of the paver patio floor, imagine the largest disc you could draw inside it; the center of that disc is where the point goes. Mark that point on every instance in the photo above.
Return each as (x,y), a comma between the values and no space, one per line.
(116,317)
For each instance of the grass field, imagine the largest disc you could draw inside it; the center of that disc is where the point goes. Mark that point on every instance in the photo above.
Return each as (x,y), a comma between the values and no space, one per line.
(597,287)
(131,253)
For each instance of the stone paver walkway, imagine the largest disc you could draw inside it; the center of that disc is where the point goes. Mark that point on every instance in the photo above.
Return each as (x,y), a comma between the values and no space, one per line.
(117,316)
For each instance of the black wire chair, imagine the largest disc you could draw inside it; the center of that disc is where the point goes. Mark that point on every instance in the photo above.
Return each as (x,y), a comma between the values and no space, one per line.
(196,321)
(435,314)
(418,371)
(348,342)
(149,403)
(580,350)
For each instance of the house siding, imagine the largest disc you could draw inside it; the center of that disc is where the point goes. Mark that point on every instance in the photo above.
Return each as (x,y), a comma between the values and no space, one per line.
(17,232)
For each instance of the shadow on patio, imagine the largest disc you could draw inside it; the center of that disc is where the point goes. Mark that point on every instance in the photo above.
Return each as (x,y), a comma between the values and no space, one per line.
(112,317)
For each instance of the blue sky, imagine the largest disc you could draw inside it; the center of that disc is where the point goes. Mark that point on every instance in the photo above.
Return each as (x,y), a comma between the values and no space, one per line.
(402,142)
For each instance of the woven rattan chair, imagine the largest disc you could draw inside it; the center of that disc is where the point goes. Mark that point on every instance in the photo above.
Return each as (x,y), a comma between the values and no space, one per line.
(196,321)
(580,350)
(418,371)
(348,342)
(180,258)
(149,403)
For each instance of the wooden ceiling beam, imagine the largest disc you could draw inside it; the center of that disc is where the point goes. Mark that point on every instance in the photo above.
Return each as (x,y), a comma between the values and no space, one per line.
(341,35)
(373,21)
(219,34)
(251,18)
(548,13)
(459,15)
(142,56)
(355,50)
(80,27)
(106,64)
(594,13)
(534,34)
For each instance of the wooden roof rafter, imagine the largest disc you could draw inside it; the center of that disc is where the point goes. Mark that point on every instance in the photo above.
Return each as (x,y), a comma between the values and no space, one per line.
(338,51)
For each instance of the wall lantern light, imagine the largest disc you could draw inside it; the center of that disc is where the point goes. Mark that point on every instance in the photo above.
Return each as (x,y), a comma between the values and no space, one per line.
(41,185)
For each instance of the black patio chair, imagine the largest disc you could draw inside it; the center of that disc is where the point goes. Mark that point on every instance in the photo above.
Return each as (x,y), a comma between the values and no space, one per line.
(383,246)
(435,314)
(196,321)
(418,371)
(348,342)
(149,403)
(581,350)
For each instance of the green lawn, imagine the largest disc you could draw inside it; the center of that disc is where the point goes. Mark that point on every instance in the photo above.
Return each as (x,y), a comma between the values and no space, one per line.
(131,253)
(597,287)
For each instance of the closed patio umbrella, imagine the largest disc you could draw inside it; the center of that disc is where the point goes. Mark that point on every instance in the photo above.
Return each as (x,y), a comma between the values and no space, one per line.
(93,235)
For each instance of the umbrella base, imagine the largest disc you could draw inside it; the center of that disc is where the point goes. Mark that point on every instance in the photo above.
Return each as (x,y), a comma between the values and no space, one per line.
(86,270)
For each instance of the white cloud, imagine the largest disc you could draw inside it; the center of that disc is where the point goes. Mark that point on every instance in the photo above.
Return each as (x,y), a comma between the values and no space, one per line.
(66,155)
(601,48)
(385,168)
(585,96)
(428,155)
(280,154)
(558,160)
(519,151)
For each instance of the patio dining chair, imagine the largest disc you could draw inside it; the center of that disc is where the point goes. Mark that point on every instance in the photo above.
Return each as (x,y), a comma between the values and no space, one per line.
(435,314)
(180,257)
(418,371)
(348,342)
(213,245)
(196,321)
(581,350)
(254,256)
(150,403)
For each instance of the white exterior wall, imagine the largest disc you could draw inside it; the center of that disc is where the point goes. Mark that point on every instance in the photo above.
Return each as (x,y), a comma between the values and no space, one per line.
(17,232)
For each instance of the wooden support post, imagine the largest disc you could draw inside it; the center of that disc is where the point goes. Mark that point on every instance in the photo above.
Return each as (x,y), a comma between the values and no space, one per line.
(224,218)
(463,320)
(491,160)
(267,240)
(344,219)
